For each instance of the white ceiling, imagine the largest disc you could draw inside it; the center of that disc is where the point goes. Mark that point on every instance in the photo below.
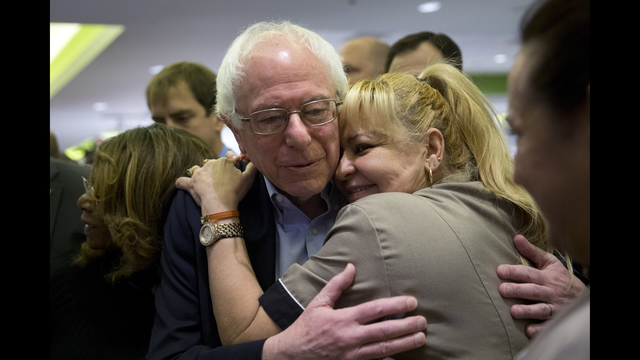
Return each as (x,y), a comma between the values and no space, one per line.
(161,32)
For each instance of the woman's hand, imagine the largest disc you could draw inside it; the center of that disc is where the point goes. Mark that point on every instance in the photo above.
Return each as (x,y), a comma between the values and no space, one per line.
(218,185)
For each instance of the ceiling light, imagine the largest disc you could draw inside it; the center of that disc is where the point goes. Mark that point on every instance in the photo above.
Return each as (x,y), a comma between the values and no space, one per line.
(100,106)
(73,47)
(500,58)
(429,7)
(155,69)
(59,35)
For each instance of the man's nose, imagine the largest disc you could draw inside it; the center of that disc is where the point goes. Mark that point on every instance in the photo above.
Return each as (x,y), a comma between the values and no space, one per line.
(297,133)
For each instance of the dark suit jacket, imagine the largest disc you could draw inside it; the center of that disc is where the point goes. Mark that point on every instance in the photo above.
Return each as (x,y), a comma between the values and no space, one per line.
(66,231)
(185,326)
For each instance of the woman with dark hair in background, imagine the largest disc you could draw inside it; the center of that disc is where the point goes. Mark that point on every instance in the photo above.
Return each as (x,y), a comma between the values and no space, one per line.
(102,307)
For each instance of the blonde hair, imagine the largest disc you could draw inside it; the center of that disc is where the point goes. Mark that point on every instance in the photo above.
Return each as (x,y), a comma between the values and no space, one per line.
(133,178)
(444,98)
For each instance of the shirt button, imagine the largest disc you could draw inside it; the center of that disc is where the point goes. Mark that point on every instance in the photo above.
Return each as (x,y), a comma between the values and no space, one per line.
(314,231)
(279,197)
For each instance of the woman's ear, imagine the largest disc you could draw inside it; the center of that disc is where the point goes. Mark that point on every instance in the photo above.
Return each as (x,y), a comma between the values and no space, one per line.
(435,149)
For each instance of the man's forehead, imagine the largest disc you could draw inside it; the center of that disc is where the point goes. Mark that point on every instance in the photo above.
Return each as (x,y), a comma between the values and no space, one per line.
(274,41)
(283,72)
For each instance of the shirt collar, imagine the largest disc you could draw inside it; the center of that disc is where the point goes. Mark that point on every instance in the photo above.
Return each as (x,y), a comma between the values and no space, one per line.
(283,206)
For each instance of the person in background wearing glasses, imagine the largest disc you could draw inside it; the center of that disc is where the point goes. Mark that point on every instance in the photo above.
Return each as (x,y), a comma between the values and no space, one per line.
(102,305)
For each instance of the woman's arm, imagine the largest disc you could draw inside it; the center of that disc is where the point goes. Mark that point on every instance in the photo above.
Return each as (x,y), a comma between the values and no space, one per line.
(235,292)
(219,186)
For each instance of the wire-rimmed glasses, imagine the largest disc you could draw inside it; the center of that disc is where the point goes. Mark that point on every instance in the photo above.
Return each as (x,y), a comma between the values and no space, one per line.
(313,113)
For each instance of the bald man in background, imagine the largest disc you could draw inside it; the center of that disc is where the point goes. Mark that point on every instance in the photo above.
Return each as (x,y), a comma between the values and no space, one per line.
(363,58)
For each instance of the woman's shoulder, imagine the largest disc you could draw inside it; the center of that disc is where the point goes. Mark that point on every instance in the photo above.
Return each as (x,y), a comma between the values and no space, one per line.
(437,194)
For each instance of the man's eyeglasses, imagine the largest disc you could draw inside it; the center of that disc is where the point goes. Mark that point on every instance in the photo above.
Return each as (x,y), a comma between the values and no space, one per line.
(313,113)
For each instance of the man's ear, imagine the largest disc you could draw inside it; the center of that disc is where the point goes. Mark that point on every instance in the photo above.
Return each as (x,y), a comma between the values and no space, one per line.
(236,134)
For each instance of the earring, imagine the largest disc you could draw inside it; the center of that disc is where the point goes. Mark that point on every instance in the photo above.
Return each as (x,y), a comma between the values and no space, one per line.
(430,177)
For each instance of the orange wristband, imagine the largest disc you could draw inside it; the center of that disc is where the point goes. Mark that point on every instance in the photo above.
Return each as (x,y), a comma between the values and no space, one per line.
(221,215)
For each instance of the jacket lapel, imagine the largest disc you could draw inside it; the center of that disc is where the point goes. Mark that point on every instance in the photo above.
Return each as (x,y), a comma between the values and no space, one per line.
(257,219)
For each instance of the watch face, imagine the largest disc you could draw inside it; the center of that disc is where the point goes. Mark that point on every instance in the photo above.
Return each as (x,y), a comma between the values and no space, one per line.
(206,235)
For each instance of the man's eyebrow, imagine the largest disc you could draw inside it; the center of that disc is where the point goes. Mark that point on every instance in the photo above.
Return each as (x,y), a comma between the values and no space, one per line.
(181,112)
(267,106)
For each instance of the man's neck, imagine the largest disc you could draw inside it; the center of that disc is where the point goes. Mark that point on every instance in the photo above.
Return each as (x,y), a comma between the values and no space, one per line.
(312,207)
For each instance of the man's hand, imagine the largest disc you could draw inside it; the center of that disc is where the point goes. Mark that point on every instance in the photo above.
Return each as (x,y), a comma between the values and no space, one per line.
(550,285)
(324,333)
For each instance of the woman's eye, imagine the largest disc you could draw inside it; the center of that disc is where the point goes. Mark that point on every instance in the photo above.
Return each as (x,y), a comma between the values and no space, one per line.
(362,147)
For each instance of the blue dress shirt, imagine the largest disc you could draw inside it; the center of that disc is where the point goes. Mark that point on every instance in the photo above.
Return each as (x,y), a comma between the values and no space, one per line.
(297,236)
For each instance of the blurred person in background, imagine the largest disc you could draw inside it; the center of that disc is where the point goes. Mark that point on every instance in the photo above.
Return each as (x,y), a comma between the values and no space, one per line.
(549,110)
(102,305)
(363,58)
(183,95)
(414,52)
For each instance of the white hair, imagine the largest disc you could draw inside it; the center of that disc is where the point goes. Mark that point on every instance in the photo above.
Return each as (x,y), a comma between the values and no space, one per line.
(232,70)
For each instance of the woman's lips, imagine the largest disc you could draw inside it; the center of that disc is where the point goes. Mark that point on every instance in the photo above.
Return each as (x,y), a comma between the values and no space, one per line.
(89,224)
(360,188)
(354,193)
(88,229)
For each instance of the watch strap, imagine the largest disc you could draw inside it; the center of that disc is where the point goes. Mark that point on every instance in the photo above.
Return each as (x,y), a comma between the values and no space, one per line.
(221,215)
(229,230)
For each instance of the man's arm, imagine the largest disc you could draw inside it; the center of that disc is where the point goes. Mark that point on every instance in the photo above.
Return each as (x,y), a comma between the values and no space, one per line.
(550,285)
(324,333)
(184,327)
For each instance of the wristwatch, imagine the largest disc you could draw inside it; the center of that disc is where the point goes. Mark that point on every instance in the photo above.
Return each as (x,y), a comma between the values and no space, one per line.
(210,233)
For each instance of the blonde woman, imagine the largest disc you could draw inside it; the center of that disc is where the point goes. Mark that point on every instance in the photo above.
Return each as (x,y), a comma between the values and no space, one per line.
(433,211)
